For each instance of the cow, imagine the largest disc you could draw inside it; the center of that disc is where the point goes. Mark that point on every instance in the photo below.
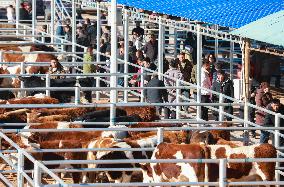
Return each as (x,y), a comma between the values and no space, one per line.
(118,176)
(177,172)
(164,172)
(40,57)
(265,170)
(64,96)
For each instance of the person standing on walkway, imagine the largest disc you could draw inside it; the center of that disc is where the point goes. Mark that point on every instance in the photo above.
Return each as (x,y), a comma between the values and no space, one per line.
(224,86)
(205,83)
(10,14)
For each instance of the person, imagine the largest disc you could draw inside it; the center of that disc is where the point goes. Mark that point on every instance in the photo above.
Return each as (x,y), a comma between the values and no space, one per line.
(147,64)
(138,30)
(89,57)
(91,31)
(151,48)
(10,14)
(262,99)
(24,14)
(185,67)
(156,95)
(212,60)
(269,120)
(205,83)
(135,80)
(56,68)
(68,37)
(225,86)
(172,72)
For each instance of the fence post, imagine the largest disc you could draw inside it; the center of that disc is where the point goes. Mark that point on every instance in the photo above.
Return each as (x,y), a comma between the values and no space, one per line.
(1,57)
(198,68)
(126,53)
(98,56)
(112,114)
(231,60)
(216,45)
(33,20)
(37,174)
(221,108)
(142,85)
(222,173)
(178,99)
(20,166)
(77,95)
(277,144)
(47,85)
(246,132)
(160,48)
(22,93)
(175,42)
(160,135)
(17,9)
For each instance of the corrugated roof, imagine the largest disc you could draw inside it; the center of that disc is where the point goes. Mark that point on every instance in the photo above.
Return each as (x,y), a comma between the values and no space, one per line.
(269,29)
(230,13)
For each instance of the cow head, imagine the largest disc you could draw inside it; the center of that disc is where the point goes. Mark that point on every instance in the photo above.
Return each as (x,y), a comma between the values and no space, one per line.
(202,137)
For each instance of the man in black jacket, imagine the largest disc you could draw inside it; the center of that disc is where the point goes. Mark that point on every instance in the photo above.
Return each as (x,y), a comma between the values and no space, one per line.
(269,120)
(225,86)
(156,95)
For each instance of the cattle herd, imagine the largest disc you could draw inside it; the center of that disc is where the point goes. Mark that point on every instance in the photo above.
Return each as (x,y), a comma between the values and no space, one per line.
(185,144)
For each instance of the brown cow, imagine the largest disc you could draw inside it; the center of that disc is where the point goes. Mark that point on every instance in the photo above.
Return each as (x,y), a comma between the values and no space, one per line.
(118,176)
(181,172)
(40,57)
(177,172)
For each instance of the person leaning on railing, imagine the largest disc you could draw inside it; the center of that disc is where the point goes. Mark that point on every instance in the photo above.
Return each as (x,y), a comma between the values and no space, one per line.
(56,68)
(269,120)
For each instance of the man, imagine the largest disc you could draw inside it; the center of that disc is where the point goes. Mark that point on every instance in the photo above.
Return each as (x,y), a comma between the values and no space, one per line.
(185,66)
(147,64)
(269,120)
(176,74)
(151,48)
(138,30)
(225,86)
(156,95)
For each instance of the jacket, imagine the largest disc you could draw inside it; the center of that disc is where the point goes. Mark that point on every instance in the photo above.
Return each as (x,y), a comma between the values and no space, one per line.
(155,95)
(226,87)
(185,68)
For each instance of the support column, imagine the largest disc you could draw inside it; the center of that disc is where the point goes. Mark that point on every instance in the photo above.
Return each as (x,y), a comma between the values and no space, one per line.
(17,8)
(160,48)
(246,88)
(231,60)
(113,60)
(198,70)
(52,18)
(34,20)
(216,44)
(98,47)
(175,42)
(73,30)
(126,51)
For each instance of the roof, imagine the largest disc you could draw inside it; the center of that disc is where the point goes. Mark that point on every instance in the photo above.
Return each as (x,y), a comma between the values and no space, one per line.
(269,29)
(229,13)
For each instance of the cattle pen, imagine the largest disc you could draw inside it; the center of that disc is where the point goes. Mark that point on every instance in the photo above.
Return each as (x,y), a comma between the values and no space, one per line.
(51,136)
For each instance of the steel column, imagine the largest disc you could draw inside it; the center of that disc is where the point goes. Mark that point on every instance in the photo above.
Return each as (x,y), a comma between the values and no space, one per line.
(17,16)
(160,48)
(73,29)
(198,70)
(126,51)
(98,56)
(52,18)
(33,20)
(113,62)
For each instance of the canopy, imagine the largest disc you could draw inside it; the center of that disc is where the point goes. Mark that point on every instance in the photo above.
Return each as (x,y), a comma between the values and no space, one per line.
(229,13)
(269,29)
